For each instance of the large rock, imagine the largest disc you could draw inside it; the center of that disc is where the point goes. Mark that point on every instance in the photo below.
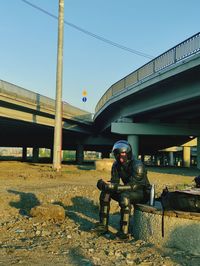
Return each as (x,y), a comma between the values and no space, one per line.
(104,164)
(45,212)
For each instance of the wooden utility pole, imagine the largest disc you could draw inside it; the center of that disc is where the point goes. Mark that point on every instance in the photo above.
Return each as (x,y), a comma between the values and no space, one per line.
(58,107)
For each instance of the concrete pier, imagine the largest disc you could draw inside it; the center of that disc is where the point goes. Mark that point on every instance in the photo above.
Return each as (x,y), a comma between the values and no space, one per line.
(35,157)
(24,154)
(79,153)
(134,142)
(198,152)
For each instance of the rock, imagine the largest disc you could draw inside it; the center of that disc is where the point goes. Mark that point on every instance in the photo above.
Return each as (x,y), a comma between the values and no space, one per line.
(46,233)
(104,164)
(96,261)
(139,243)
(38,233)
(128,256)
(19,231)
(118,253)
(90,250)
(52,212)
(129,262)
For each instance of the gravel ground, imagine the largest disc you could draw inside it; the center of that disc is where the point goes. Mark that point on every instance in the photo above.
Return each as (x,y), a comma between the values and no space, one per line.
(26,240)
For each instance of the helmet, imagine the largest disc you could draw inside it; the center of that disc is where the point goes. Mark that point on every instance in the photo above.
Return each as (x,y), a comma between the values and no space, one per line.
(122,146)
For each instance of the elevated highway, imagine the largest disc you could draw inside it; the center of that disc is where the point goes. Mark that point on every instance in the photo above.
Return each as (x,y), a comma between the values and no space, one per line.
(158,105)
(27,120)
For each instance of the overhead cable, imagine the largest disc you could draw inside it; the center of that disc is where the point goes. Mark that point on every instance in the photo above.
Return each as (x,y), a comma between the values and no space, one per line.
(90,33)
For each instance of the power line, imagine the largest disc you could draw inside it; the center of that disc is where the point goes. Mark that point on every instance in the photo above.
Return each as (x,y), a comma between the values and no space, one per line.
(90,33)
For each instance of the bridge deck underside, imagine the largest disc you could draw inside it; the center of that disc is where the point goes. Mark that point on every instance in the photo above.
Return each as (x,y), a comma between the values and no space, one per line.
(15,133)
(174,101)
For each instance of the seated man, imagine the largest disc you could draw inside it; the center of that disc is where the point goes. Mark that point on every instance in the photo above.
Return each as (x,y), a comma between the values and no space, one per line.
(134,189)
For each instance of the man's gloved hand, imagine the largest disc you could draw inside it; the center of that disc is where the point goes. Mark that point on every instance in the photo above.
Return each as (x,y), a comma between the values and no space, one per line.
(102,185)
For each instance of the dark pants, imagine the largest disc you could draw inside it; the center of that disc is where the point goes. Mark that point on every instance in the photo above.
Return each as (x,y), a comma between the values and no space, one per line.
(125,199)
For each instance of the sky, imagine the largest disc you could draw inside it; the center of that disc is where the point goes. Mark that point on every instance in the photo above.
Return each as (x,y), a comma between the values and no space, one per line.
(28,42)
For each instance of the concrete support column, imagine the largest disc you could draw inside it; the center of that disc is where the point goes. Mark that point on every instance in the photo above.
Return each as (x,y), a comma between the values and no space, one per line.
(156,159)
(186,156)
(35,155)
(171,158)
(134,141)
(162,159)
(142,158)
(51,155)
(79,154)
(105,154)
(24,154)
(198,152)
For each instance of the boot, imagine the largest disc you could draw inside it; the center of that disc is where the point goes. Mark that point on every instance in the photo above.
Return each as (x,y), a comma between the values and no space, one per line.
(100,229)
(121,235)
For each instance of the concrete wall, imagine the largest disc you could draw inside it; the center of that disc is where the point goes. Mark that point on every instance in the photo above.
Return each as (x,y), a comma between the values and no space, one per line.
(180,232)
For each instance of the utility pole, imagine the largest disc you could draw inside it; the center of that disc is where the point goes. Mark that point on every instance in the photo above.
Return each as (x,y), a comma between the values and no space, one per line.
(58,106)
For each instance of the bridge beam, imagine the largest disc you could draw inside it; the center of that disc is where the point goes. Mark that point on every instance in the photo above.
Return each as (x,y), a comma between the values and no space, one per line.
(154,129)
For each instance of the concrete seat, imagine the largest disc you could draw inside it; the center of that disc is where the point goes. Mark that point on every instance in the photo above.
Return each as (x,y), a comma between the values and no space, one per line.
(179,227)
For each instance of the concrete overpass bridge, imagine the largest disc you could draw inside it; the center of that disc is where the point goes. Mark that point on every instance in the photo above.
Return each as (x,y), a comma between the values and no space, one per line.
(27,120)
(155,107)
(158,105)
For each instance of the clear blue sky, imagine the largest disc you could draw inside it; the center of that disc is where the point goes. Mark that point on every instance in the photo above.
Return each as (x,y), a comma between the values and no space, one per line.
(28,46)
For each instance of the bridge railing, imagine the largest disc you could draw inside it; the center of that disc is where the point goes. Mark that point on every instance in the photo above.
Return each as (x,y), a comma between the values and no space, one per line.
(172,56)
(39,101)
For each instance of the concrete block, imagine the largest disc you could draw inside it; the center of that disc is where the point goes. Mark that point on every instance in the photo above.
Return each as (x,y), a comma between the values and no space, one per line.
(181,229)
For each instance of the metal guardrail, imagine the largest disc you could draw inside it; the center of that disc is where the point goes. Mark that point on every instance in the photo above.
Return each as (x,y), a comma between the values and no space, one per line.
(179,52)
(42,102)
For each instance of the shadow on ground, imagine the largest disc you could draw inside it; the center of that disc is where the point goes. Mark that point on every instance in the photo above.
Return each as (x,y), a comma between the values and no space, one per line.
(86,167)
(78,258)
(184,171)
(26,202)
(86,213)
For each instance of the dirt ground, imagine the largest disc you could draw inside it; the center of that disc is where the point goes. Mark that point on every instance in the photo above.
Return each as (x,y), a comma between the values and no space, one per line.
(26,240)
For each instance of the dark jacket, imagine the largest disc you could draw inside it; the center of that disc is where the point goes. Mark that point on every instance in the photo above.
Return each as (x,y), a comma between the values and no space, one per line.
(133,175)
